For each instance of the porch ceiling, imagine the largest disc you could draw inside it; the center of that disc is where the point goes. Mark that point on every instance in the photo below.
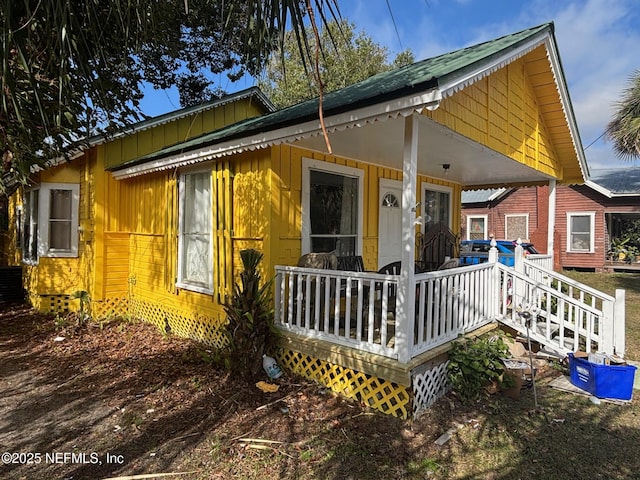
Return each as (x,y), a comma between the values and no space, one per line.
(471,164)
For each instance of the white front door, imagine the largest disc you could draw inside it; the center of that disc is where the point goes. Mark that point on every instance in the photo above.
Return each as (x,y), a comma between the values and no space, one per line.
(389,222)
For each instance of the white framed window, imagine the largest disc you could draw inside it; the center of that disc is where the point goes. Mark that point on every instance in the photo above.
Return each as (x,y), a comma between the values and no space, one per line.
(477,227)
(437,205)
(29,229)
(332,208)
(50,221)
(516,226)
(195,243)
(580,232)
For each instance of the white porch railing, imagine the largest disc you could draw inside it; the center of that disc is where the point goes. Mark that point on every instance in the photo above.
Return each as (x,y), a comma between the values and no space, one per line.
(541,259)
(566,315)
(358,309)
(450,303)
(341,307)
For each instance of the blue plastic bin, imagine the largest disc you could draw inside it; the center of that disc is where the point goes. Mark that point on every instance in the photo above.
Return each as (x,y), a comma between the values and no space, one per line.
(603,381)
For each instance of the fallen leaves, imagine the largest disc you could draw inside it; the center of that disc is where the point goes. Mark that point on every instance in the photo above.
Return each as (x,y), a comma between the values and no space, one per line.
(267,387)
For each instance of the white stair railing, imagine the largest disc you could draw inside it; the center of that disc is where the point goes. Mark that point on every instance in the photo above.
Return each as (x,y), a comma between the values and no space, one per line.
(567,315)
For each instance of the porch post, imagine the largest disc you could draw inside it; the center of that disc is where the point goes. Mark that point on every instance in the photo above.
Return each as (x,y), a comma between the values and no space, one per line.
(552,220)
(405,308)
(494,304)
(619,326)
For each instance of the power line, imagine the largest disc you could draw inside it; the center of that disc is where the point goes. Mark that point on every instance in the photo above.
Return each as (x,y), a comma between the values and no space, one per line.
(599,137)
(395,26)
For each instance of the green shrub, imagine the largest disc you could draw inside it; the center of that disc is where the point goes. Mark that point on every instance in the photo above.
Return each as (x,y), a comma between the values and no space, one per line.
(250,331)
(475,363)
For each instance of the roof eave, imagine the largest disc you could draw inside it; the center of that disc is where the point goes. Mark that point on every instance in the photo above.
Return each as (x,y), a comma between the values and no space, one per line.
(338,119)
(351,114)
(162,119)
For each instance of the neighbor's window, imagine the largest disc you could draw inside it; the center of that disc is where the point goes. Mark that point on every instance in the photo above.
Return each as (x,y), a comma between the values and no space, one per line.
(477,227)
(332,208)
(580,233)
(516,226)
(195,246)
(50,221)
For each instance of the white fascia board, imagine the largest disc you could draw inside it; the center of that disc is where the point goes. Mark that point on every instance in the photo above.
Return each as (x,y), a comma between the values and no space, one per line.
(486,69)
(599,188)
(608,193)
(563,91)
(497,194)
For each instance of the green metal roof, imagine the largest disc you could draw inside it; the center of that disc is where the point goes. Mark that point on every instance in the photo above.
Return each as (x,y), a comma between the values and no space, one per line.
(401,82)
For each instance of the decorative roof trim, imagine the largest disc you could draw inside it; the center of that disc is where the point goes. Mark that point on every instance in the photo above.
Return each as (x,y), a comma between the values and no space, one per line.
(402,106)
(546,39)
(565,101)
(484,70)
(165,118)
(351,119)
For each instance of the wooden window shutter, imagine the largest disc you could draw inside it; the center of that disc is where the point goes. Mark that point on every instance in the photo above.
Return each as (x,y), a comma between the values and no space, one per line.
(223,224)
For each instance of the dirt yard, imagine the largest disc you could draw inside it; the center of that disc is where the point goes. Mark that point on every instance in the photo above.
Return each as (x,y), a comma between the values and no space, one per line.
(124,400)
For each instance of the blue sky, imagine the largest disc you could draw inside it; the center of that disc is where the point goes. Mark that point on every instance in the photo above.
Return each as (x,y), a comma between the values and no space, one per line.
(598,40)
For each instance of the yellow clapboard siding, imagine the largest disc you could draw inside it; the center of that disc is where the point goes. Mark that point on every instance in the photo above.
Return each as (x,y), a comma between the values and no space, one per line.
(60,276)
(152,139)
(128,242)
(515,111)
(286,197)
(116,264)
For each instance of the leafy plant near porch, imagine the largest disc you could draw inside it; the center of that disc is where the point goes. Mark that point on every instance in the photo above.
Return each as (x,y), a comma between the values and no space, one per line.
(476,363)
(250,331)
(84,313)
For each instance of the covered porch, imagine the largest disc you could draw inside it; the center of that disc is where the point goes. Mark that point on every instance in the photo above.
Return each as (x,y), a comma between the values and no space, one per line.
(369,322)
(388,160)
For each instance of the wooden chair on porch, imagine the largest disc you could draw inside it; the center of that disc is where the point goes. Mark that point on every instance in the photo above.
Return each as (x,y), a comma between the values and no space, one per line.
(393,268)
(317,260)
(352,263)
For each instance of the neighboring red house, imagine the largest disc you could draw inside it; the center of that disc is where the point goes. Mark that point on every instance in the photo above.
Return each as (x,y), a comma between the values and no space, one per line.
(586,217)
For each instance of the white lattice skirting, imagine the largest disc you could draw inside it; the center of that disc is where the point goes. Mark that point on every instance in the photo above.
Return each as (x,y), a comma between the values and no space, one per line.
(429,384)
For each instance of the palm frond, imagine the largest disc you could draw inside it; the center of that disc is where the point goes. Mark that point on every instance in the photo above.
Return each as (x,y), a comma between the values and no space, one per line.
(624,129)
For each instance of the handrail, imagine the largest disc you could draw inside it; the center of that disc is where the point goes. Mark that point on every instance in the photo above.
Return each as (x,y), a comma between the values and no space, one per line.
(567,316)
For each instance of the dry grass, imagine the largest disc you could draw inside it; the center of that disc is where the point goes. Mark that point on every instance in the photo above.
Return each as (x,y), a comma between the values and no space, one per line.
(565,437)
(608,283)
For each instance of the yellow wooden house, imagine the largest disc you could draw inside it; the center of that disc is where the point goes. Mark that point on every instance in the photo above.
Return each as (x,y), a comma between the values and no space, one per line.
(163,212)
(71,227)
